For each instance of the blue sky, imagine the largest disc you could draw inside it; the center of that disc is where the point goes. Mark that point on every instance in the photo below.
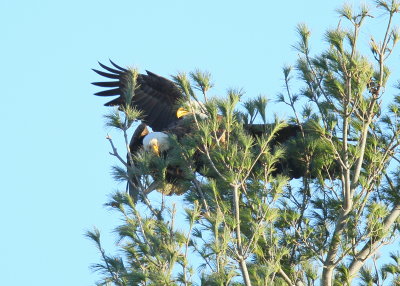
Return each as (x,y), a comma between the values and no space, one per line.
(54,156)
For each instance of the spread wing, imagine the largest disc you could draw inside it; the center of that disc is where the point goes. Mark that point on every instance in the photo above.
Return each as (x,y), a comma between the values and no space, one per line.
(155,96)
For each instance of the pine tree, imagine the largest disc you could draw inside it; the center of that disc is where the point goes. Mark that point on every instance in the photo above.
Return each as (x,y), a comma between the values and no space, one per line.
(247,221)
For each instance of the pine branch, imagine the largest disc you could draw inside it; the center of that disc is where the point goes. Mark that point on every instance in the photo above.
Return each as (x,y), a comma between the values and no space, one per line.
(372,246)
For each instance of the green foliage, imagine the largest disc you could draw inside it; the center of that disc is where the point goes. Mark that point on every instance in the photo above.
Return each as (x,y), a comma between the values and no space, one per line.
(122,118)
(202,81)
(182,81)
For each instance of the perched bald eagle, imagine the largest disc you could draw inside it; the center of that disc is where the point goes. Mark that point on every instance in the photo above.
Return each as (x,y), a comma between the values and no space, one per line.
(162,102)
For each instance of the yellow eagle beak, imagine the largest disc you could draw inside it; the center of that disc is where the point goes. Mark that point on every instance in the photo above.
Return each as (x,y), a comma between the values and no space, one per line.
(181,112)
(156,150)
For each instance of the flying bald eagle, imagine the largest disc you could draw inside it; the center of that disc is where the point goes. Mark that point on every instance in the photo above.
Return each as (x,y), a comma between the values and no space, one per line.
(162,105)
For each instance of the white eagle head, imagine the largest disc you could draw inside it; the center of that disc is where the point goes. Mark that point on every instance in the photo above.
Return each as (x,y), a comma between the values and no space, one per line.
(156,142)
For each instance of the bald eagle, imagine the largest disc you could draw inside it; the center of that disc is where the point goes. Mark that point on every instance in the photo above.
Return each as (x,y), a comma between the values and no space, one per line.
(162,104)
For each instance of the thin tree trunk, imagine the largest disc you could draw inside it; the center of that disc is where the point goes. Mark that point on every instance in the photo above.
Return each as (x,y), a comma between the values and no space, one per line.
(327,276)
